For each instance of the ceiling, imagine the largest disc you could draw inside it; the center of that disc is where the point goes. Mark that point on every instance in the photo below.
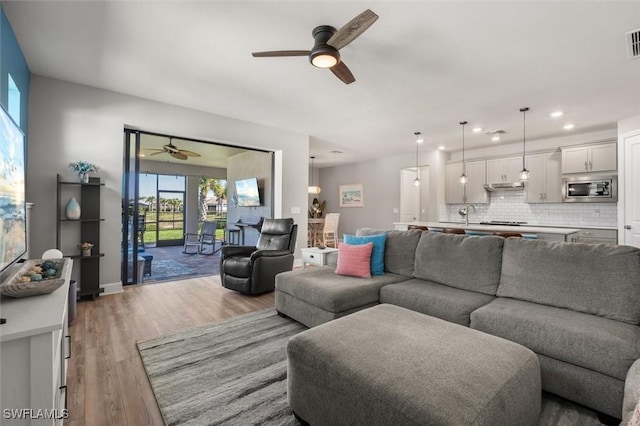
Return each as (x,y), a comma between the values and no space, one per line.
(423,66)
(211,155)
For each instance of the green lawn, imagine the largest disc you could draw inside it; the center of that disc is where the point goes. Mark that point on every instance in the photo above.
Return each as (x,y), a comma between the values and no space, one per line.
(173,230)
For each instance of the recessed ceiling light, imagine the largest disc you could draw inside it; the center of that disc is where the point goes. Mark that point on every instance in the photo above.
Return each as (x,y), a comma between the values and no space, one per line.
(495,138)
(556,114)
(568,126)
(441,147)
(477,129)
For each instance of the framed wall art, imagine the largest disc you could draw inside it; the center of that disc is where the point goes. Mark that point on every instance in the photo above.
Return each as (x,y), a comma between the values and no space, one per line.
(352,195)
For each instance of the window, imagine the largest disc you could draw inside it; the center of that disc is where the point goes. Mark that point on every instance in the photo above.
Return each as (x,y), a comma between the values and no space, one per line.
(14,101)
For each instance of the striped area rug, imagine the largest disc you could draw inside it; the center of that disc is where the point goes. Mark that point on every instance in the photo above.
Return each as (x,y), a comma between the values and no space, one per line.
(234,372)
(229,373)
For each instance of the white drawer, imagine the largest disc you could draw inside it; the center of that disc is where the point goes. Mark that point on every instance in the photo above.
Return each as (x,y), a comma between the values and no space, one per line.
(313,258)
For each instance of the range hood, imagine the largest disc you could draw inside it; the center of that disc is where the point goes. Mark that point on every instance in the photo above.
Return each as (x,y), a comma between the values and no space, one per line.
(503,186)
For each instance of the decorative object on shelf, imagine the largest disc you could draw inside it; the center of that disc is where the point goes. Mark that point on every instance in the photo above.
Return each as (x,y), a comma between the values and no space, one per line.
(419,140)
(352,195)
(313,189)
(86,248)
(524,173)
(72,210)
(83,168)
(316,209)
(463,176)
(36,276)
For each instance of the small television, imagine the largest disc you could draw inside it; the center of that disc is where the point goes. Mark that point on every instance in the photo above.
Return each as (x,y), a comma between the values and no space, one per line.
(13,240)
(247,192)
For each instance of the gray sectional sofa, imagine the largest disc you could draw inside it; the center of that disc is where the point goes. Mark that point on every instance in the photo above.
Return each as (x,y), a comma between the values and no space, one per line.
(577,306)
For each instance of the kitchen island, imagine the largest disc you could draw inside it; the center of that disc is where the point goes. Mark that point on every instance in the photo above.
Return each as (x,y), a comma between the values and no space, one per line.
(532,232)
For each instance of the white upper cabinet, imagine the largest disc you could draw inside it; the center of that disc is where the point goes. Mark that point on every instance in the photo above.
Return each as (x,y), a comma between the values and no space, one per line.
(504,169)
(454,191)
(545,178)
(474,193)
(589,158)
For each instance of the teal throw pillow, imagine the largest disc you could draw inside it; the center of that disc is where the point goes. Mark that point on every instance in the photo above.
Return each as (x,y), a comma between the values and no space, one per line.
(377,254)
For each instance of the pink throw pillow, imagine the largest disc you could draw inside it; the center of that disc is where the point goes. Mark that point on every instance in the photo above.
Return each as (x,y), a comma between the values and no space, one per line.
(354,260)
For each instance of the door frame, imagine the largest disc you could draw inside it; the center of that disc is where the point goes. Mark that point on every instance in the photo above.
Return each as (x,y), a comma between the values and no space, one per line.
(623,233)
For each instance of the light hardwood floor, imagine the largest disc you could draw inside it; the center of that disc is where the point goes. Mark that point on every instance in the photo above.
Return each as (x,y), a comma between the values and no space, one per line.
(106,381)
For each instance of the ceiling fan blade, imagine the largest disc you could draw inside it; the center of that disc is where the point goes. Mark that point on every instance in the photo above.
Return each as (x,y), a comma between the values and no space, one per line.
(154,149)
(352,29)
(156,153)
(178,155)
(343,73)
(277,53)
(189,153)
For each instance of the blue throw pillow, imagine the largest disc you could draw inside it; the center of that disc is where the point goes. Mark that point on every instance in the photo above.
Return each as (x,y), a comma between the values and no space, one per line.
(377,255)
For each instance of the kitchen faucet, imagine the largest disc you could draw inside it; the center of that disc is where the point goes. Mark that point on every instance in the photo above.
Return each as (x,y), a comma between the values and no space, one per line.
(465,212)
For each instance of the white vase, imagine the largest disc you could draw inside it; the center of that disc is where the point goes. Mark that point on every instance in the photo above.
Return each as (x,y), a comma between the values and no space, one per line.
(86,252)
(72,210)
(84,177)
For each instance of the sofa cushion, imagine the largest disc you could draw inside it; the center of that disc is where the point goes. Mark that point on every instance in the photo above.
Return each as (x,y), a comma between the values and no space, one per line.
(355,260)
(461,261)
(437,300)
(321,287)
(588,341)
(599,279)
(400,249)
(377,254)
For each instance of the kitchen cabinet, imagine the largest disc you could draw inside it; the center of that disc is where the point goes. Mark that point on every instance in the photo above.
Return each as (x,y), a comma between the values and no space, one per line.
(504,169)
(545,178)
(471,193)
(597,236)
(71,232)
(35,347)
(589,158)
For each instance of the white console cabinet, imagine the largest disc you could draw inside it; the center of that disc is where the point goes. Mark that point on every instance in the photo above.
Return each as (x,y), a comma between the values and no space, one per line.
(34,350)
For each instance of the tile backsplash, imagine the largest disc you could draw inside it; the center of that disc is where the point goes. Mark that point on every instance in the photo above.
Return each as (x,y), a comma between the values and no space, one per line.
(510,206)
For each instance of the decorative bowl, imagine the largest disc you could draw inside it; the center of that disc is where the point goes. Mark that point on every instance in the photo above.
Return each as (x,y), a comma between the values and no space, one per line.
(13,287)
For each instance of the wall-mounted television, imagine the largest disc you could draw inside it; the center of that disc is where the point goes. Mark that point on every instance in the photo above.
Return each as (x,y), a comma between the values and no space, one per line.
(13,239)
(247,192)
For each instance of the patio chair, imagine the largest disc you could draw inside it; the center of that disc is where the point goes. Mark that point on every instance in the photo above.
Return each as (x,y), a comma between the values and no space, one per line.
(206,237)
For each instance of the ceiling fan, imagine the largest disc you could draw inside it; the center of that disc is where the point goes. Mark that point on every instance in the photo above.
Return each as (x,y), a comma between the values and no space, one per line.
(328,41)
(174,151)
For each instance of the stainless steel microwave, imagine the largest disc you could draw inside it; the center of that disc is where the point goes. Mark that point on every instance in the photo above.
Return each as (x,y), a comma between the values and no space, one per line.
(590,189)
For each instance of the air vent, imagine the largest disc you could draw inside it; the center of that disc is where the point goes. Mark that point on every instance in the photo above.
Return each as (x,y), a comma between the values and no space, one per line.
(633,44)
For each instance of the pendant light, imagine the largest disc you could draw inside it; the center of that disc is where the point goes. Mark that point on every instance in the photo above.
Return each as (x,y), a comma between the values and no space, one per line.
(524,173)
(313,189)
(419,140)
(463,176)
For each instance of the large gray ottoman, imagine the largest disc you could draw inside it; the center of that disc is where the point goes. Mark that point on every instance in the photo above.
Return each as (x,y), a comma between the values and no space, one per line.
(388,365)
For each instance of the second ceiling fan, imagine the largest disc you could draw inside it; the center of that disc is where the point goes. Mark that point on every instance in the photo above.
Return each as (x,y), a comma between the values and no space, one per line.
(328,41)
(172,150)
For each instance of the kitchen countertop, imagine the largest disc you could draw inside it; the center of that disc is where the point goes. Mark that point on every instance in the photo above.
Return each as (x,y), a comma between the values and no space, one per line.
(490,228)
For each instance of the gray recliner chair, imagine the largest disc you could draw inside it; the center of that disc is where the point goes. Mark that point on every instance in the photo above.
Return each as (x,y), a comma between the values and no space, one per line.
(252,270)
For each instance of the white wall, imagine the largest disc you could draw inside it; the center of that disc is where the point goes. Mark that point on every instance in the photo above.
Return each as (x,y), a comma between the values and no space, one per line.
(250,164)
(381,179)
(70,122)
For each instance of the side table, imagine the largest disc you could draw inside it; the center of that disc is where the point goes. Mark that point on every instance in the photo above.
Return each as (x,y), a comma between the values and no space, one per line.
(315,255)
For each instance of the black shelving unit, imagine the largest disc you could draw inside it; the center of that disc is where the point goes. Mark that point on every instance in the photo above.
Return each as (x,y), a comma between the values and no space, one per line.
(89,223)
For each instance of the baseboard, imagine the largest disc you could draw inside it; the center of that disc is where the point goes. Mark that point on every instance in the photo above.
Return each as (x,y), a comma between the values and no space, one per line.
(298,263)
(111,288)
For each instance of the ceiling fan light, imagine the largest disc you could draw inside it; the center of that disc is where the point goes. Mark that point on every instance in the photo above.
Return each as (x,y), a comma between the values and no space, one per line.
(324,60)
